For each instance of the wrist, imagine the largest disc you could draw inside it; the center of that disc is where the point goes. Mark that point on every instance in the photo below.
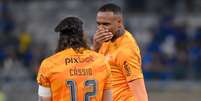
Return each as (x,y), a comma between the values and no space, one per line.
(96,46)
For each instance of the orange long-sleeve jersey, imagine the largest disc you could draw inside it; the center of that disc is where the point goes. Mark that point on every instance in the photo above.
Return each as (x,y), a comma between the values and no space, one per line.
(125,60)
(75,76)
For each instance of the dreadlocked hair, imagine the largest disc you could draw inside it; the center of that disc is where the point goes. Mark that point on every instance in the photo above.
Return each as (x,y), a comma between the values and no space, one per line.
(70,34)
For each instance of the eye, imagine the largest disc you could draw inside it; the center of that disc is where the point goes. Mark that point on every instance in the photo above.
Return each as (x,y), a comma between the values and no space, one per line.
(106,24)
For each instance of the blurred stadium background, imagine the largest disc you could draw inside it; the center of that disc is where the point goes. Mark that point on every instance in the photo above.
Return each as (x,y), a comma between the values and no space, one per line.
(168,32)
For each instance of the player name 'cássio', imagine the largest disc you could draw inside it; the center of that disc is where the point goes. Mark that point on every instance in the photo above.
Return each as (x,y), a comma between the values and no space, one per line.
(80,72)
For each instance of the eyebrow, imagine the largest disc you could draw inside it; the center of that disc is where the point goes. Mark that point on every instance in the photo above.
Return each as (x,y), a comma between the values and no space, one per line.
(105,23)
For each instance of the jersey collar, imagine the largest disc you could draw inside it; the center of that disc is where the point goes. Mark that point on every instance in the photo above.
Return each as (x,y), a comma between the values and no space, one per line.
(118,34)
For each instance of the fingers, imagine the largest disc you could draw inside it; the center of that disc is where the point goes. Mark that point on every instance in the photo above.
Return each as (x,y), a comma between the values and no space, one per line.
(101,30)
(102,35)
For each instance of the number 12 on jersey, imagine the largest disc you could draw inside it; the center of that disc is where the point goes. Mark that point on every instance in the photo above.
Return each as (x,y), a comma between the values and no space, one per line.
(87,83)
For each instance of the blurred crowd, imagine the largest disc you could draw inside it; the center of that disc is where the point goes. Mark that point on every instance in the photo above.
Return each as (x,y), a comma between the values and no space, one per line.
(20,56)
(170,54)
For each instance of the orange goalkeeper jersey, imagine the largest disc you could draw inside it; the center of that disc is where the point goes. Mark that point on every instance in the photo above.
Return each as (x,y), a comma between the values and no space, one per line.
(74,76)
(125,60)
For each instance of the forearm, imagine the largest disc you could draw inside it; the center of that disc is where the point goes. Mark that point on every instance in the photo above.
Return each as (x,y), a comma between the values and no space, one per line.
(138,89)
(96,46)
(44,98)
(107,95)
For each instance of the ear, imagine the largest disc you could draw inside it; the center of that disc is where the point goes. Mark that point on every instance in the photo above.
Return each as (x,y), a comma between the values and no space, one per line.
(119,22)
(85,34)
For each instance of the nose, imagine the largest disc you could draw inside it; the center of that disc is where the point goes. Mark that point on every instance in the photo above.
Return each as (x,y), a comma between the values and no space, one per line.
(100,26)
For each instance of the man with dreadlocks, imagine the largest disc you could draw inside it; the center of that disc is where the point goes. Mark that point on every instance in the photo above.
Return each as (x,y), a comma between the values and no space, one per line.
(74,73)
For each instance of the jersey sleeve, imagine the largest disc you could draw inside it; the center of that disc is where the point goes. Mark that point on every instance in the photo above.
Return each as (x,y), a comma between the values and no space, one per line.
(108,80)
(130,63)
(42,77)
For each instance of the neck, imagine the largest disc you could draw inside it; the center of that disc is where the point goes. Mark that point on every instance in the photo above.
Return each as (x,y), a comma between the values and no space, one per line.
(118,33)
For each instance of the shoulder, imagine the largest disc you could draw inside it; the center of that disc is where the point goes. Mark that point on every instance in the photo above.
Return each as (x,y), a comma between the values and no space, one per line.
(128,46)
(98,58)
(129,43)
(129,39)
(46,62)
(96,55)
(52,58)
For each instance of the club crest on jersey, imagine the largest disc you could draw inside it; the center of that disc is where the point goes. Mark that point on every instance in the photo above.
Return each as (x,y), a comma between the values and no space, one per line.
(127,68)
